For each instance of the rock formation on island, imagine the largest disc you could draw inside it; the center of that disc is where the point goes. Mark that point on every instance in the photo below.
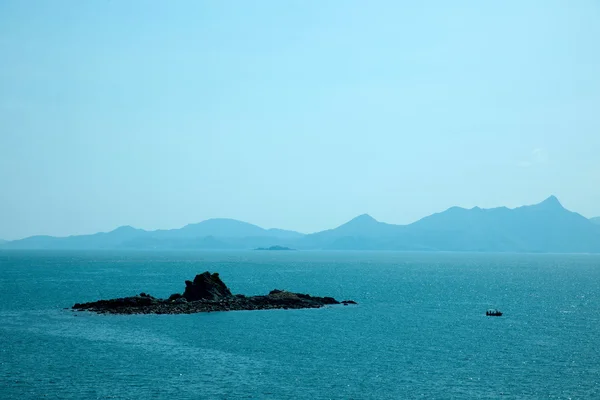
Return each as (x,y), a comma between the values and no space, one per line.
(206,293)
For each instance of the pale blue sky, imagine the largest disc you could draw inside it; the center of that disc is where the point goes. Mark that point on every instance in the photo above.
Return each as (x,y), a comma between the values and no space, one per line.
(292,114)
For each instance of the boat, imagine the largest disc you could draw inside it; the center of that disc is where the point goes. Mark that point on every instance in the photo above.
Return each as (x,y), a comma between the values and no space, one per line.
(493,313)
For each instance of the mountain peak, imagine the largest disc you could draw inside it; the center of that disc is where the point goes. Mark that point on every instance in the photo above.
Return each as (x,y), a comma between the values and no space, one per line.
(551,201)
(363,221)
(362,226)
(124,228)
(363,218)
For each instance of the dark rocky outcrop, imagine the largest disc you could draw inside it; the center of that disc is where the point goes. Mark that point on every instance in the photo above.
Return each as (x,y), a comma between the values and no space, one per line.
(206,293)
(206,286)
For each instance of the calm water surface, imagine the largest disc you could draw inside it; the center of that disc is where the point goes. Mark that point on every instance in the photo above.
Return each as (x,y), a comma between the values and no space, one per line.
(419,330)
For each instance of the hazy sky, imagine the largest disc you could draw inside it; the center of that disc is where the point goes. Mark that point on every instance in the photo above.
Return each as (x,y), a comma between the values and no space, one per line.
(292,114)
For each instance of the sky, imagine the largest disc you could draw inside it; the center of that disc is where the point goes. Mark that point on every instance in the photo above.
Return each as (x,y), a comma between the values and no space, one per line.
(292,114)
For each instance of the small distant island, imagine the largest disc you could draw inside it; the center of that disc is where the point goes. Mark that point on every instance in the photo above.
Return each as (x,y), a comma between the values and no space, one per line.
(206,293)
(274,248)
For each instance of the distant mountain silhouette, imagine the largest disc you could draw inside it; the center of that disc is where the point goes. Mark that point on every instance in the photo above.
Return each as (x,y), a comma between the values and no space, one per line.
(223,227)
(543,227)
(363,225)
(361,233)
(595,220)
(218,233)
(100,240)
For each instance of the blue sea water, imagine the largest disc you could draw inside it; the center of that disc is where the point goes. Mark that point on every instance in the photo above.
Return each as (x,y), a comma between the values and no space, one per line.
(419,331)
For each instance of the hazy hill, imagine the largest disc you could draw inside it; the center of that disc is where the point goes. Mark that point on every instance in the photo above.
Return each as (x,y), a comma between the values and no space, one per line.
(361,233)
(363,225)
(111,239)
(209,234)
(543,227)
(595,220)
(223,227)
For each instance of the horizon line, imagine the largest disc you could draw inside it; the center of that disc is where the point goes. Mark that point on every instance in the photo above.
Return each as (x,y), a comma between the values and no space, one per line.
(549,198)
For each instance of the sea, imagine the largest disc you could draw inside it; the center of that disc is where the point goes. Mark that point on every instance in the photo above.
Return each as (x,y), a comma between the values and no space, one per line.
(419,329)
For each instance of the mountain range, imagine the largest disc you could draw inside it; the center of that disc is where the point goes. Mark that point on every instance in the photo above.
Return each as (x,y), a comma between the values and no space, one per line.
(544,227)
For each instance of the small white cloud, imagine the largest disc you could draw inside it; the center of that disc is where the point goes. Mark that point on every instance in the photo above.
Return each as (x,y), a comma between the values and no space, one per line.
(537,156)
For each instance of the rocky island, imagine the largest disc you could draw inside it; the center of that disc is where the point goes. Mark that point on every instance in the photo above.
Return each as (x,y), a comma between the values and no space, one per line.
(274,248)
(206,293)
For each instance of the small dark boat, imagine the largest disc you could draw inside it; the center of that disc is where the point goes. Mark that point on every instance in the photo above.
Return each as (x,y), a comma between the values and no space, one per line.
(493,313)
